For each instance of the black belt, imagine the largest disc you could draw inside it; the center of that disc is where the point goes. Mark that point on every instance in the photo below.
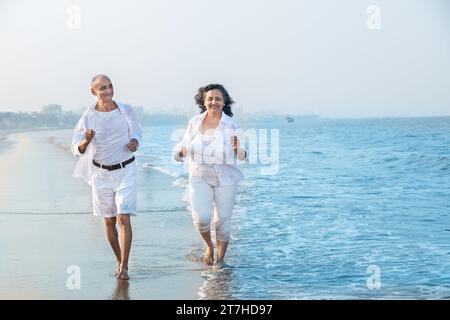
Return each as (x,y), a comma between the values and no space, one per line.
(114,166)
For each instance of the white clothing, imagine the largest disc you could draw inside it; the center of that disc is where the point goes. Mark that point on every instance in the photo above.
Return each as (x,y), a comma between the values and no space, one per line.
(206,199)
(111,138)
(84,167)
(219,152)
(114,192)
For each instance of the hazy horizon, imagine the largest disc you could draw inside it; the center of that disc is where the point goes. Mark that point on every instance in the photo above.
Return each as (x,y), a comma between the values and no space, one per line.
(289,57)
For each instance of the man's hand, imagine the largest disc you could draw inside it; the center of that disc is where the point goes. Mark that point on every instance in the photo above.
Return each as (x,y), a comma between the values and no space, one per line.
(89,135)
(132,146)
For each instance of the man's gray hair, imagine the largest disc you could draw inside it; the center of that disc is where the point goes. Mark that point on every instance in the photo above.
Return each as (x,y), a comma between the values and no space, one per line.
(98,76)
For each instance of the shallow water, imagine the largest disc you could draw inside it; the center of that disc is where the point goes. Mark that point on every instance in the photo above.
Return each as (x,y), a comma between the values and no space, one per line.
(48,226)
(349,197)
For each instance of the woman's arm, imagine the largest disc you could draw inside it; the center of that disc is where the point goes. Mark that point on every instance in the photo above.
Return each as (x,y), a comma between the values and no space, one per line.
(180,150)
(241,153)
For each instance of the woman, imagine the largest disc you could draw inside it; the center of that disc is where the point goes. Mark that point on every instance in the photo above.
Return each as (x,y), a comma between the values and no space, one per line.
(212,147)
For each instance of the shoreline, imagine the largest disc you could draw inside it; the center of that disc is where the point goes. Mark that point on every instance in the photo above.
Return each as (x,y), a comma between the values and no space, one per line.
(5,133)
(51,236)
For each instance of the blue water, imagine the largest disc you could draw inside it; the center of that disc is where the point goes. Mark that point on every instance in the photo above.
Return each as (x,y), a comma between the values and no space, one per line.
(350,195)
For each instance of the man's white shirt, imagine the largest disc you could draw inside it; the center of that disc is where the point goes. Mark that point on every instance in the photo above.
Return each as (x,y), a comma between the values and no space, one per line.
(106,151)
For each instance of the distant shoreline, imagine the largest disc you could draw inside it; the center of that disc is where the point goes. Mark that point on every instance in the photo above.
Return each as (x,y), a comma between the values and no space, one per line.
(4,133)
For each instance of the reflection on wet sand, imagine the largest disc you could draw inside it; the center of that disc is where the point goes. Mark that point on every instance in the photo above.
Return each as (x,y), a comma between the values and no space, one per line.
(217,285)
(121,291)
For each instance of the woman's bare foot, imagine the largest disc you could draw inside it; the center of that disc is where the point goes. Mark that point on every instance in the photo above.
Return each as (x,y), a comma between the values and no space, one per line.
(209,256)
(219,265)
(123,274)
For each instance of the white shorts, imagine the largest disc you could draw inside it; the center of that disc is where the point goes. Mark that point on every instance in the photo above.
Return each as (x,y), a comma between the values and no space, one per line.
(114,192)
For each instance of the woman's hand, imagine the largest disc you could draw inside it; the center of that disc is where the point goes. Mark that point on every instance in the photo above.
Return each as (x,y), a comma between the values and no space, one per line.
(235,143)
(182,152)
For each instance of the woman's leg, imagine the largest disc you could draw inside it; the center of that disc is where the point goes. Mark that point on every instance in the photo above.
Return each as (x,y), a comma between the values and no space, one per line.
(201,201)
(224,200)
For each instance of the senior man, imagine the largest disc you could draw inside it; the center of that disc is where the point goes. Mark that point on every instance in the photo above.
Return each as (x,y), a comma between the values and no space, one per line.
(105,138)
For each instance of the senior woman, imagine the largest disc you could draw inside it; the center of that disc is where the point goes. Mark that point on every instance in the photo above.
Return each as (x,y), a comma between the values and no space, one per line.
(212,147)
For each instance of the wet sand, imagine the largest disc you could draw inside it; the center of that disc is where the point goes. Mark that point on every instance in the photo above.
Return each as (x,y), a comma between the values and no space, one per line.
(49,234)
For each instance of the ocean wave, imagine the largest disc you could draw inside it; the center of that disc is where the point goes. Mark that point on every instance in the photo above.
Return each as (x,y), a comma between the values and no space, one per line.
(174,209)
(391,159)
(166,171)
(440,162)
(435,161)
(181,182)
(62,146)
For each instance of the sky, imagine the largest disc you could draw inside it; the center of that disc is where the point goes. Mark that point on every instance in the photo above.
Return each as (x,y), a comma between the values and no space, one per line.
(329,58)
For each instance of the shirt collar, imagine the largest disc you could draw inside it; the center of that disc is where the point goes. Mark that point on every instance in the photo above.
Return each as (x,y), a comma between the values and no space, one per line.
(120,105)
(225,119)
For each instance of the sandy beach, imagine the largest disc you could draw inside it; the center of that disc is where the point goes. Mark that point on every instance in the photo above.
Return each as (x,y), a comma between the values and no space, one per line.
(48,229)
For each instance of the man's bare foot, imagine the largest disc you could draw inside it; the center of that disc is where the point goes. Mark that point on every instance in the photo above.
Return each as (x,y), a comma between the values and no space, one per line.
(117,271)
(123,274)
(209,256)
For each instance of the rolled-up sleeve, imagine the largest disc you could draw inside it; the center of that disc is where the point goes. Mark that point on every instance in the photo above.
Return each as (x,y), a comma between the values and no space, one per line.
(136,128)
(78,136)
(185,141)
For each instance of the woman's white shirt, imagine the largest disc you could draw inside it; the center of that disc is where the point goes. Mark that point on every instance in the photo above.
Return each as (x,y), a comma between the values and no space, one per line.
(215,150)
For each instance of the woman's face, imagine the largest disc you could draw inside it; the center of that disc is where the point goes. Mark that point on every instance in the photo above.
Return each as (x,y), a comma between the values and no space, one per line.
(214,101)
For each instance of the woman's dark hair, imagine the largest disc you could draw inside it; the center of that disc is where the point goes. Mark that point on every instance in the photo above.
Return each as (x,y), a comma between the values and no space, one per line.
(200,98)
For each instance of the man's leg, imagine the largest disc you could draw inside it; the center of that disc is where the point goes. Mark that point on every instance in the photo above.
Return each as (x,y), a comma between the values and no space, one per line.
(125,201)
(113,239)
(126,236)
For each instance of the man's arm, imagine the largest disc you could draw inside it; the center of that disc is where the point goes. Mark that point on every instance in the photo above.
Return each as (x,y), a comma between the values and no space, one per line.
(89,135)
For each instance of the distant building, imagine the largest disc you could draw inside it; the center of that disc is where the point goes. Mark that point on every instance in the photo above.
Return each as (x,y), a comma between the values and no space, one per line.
(52,110)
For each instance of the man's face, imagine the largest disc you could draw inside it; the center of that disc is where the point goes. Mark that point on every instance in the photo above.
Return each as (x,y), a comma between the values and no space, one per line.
(103,89)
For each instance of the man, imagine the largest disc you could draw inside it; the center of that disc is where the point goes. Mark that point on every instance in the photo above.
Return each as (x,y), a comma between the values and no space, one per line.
(105,138)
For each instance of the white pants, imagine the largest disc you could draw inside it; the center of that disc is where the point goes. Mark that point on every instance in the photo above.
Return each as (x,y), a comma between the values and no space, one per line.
(114,192)
(205,199)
